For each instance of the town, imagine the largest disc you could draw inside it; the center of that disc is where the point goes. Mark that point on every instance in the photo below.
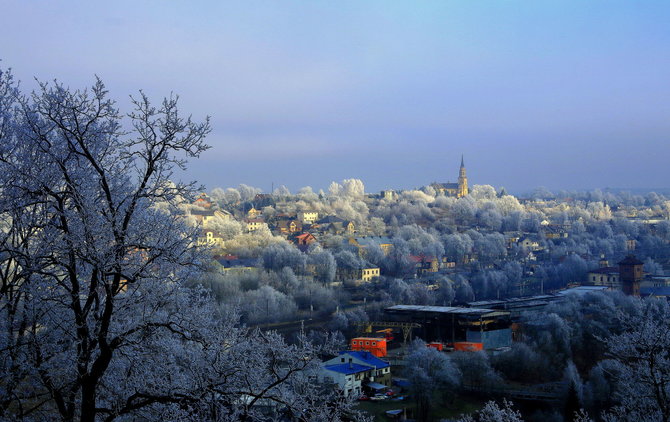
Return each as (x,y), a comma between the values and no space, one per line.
(464,271)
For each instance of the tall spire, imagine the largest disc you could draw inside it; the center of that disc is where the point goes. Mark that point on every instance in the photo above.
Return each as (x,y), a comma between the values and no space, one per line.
(462,180)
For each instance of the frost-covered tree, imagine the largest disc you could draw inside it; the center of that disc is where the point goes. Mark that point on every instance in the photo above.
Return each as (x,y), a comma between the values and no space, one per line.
(324,264)
(280,255)
(643,355)
(427,371)
(353,188)
(96,322)
(84,239)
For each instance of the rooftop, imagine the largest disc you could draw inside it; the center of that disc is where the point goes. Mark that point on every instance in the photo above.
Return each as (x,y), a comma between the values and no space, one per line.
(447,310)
(605,270)
(348,368)
(368,358)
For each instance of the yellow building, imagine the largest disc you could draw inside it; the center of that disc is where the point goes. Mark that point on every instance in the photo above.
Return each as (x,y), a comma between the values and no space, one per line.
(210,238)
(254,224)
(253,213)
(308,217)
(368,274)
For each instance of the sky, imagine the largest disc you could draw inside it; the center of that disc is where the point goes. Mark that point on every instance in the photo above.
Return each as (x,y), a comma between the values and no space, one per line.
(562,94)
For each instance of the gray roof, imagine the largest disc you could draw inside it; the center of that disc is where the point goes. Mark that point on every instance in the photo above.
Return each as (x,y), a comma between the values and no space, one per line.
(373,240)
(447,185)
(447,310)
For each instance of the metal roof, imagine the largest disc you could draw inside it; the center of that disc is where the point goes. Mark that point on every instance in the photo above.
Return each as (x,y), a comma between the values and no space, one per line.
(348,368)
(450,310)
(581,290)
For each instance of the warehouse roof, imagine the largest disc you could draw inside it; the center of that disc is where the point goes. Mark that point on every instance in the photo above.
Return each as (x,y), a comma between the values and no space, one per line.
(447,310)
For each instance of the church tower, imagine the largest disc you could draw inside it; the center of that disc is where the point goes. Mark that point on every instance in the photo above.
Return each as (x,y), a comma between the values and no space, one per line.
(462,181)
(631,273)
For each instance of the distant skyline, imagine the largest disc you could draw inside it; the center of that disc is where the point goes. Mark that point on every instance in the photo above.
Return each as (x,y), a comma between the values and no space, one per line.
(562,94)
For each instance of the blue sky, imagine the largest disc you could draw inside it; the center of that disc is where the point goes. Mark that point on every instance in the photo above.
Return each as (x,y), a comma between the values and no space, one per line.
(562,94)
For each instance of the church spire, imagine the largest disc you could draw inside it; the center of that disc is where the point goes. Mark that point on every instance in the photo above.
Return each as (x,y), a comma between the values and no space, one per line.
(462,180)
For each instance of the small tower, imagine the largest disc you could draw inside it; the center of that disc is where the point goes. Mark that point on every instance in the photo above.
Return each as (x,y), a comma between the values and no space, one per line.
(603,263)
(462,181)
(630,275)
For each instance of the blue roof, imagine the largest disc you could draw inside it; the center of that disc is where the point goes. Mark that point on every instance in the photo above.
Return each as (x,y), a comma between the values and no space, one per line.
(367,358)
(655,291)
(348,368)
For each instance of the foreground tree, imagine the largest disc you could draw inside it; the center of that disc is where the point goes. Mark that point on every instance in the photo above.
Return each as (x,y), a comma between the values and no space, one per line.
(95,320)
(643,373)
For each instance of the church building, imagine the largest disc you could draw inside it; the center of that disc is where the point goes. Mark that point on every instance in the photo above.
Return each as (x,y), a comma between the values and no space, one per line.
(458,189)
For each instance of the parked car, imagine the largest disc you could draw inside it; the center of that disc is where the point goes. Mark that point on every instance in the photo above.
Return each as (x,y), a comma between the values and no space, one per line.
(363,398)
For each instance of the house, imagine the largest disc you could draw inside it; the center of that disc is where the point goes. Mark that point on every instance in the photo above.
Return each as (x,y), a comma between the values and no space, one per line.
(305,239)
(348,377)
(253,213)
(205,216)
(555,231)
(381,368)
(447,263)
(335,225)
(210,238)
(356,372)
(368,274)
(425,264)
(511,238)
(349,227)
(604,276)
(203,201)
(530,243)
(254,224)
(308,217)
(289,225)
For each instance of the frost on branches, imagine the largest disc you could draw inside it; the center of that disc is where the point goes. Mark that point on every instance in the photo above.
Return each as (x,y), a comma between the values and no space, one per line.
(95,320)
(642,364)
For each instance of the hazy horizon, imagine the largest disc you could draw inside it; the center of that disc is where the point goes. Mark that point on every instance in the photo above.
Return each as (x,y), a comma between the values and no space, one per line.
(566,95)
